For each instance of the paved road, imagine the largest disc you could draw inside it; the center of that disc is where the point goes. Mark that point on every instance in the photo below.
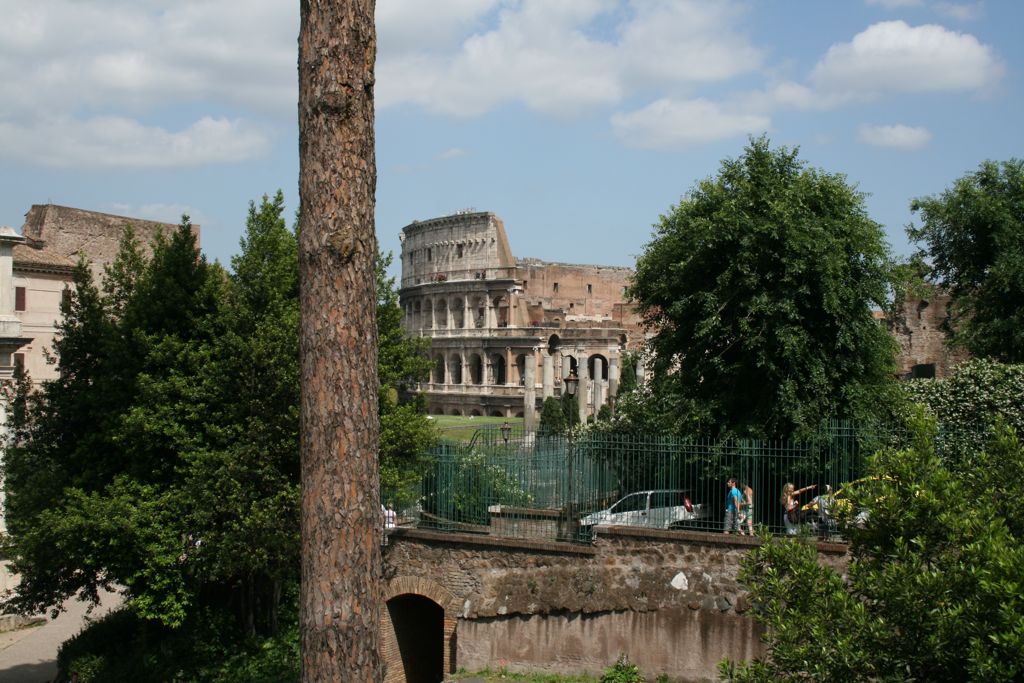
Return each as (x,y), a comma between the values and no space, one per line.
(29,655)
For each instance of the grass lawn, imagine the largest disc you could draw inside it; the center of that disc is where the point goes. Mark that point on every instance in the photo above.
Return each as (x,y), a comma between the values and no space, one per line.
(458,428)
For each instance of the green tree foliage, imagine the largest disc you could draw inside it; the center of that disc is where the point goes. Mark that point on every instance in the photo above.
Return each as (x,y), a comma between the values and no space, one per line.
(627,373)
(933,590)
(405,433)
(570,410)
(969,403)
(552,417)
(164,457)
(973,235)
(759,287)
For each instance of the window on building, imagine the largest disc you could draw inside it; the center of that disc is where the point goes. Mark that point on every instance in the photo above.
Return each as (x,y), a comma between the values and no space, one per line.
(526,285)
(458,251)
(590,289)
(19,298)
(430,254)
(19,361)
(555,287)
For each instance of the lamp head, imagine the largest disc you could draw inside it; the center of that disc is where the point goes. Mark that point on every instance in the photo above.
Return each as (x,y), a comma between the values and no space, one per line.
(571,383)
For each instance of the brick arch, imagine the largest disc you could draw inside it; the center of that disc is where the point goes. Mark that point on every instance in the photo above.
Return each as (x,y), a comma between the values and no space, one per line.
(419,586)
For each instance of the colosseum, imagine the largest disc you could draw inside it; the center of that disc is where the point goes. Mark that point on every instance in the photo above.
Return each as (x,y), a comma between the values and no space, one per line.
(505,332)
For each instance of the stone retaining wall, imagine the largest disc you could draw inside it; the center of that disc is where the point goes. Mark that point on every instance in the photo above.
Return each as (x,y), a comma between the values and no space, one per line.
(668,599)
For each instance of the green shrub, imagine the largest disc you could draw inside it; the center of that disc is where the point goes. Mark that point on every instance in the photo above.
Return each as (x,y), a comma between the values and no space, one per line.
(968,404)
(623,671)
(122,647)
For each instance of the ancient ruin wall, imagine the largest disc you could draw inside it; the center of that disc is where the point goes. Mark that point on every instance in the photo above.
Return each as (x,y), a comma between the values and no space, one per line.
(57,235)
(918,326)
(582,291)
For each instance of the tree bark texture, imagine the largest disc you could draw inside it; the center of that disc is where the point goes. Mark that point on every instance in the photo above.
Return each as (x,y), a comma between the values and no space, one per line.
(341,519)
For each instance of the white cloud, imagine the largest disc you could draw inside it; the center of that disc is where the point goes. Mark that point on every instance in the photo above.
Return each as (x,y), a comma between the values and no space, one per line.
(452,153)
(549,56)
(77,80)
(111,54)
(675,124)
(897,136)
(893,57)
(164,213)
(896,4)
(109,141)
(782,95)
(408,25)
(959,11)
(683,41)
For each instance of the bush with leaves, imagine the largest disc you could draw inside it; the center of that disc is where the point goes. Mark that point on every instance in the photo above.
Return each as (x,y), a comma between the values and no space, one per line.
(623,671)
(968,404)
(463,487)
(933,589)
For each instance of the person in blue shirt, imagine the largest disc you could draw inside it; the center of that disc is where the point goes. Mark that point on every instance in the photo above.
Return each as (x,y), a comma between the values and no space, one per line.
(732,506)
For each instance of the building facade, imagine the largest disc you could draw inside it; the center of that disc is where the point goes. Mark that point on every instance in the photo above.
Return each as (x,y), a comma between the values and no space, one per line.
(55,237)
(505,332)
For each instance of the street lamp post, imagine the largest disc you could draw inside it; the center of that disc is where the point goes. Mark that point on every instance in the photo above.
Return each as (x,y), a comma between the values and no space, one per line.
(572,518)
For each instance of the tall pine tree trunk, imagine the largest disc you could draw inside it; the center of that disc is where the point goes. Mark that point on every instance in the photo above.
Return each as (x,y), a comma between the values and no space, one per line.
(341,520)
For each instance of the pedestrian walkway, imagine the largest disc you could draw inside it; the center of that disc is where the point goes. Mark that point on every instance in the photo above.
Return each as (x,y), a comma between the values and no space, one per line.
(29,655)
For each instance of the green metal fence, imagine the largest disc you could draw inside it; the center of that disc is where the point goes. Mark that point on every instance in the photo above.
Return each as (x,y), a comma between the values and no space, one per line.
(560,488)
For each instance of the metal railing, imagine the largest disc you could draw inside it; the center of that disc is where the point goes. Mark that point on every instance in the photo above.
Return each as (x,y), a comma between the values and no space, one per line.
(561,487)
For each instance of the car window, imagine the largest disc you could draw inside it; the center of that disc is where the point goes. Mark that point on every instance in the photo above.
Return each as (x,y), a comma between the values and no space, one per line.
(631,503)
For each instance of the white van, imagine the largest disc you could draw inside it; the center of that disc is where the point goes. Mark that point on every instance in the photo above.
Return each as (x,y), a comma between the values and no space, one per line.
(655,509)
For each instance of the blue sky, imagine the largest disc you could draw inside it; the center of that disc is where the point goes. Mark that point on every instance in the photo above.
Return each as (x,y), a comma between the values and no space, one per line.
(578,122)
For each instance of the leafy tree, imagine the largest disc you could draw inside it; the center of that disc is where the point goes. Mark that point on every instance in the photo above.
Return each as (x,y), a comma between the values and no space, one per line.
(552,417)
(122,275)
(95,477)
(759,287)
(973,235)
(933,588)
(627,373)
(164,457)
(405,433)
(242,483)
